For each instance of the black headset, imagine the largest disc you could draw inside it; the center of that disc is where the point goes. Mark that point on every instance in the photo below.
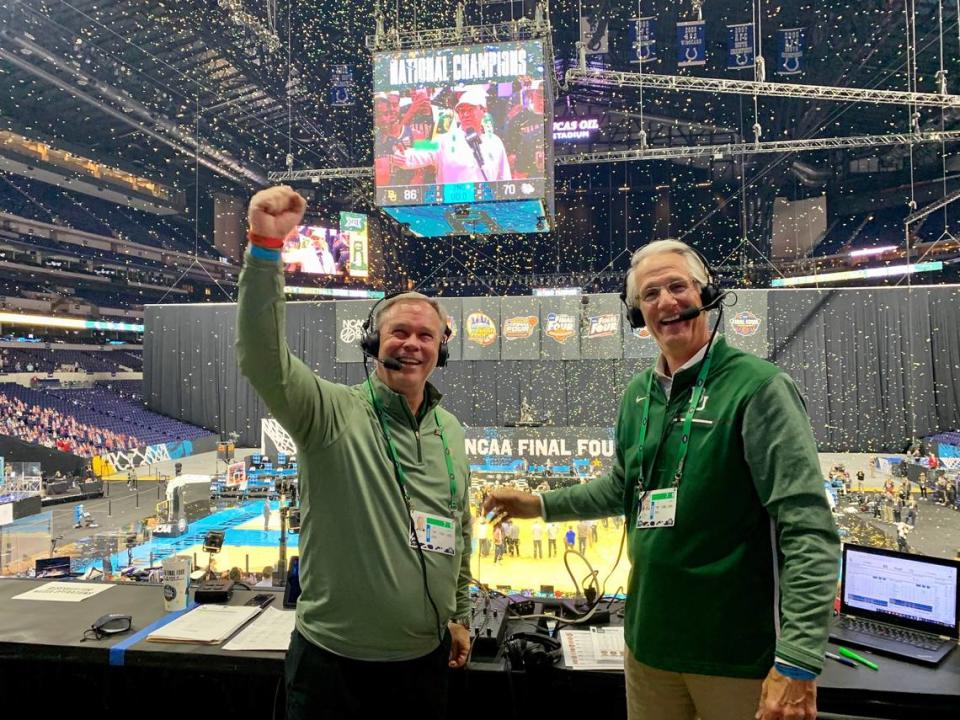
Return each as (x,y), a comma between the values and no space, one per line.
(370,340)
(532,652)
(709,293)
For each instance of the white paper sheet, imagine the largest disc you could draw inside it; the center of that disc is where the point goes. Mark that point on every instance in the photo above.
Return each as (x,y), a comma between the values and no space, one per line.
(64,591)
(208,624)
(270,631)
(593,649)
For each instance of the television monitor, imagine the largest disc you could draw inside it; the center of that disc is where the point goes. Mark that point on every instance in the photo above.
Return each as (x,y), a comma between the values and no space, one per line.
(52,567)
(341,251)
(521,216)
(461,124)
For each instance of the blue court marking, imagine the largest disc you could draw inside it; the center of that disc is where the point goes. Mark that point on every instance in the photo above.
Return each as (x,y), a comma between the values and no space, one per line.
(118,650)
(222,520)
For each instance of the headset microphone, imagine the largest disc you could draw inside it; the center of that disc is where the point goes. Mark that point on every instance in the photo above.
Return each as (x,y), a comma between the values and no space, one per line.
(691,312)
(391,364)
(685,314)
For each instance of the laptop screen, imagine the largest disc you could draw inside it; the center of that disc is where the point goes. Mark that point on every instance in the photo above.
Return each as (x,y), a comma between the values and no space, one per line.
(52,567)
(913,591)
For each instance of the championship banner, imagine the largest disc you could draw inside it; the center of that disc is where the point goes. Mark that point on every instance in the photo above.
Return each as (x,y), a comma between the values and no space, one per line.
(643,39)
(560,328)
(740,46)
(481,328)
(790,44)
(520,328)
(594,27)
(745,324)
(350,316)
(353,230)
(534,454)
(691,43)
(600,334)
(341,86)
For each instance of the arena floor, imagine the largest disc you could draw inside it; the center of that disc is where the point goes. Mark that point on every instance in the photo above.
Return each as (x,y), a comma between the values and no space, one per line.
(248,547)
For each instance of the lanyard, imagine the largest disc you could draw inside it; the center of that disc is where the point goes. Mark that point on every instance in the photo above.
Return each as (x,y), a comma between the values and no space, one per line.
(395,457)
(687,422)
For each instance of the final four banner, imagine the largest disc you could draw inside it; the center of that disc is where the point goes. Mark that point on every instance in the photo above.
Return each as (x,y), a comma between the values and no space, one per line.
(600,334)
(740,46)
(643,39)
(691,43)
(520,328)
(790,44)
(745,324)
(560,328)
(481,328)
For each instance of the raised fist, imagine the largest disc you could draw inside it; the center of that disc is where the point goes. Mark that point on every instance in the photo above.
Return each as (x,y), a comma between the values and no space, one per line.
(276,211)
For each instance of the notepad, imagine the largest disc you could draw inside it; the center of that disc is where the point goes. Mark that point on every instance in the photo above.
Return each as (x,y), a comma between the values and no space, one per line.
(206,624)
(270,631)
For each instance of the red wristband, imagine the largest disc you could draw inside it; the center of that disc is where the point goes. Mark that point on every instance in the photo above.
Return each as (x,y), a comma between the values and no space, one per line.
(263,241)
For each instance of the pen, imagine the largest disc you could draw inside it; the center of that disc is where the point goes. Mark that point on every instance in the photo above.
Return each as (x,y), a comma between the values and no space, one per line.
(841,660)
(853,656)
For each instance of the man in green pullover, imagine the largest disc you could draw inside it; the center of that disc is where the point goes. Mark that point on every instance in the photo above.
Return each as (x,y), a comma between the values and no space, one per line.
(733,548)
(385,530)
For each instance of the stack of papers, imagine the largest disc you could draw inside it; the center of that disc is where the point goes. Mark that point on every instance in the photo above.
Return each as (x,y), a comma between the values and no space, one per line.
(270,631)
(594,649)
(206,624)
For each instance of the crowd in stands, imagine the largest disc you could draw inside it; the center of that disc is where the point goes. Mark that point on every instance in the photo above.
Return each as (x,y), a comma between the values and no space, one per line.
(42,360)
(50,428)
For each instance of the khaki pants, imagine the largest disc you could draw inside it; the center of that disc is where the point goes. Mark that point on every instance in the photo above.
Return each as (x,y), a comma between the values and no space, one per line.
(660,695)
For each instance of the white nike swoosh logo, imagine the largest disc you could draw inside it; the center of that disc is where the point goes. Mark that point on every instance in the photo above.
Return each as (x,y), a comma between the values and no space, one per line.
(641,399)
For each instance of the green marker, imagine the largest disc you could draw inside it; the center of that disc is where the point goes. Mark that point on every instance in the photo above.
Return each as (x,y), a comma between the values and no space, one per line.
(853,656)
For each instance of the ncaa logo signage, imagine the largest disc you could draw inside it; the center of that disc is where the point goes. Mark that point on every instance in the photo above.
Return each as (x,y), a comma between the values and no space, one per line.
(351,330)
(603,325)
(481,329)
(560,326)
(745,323)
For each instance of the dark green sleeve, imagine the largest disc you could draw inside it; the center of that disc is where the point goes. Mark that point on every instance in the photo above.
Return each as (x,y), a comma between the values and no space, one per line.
(782,455)
(310,409)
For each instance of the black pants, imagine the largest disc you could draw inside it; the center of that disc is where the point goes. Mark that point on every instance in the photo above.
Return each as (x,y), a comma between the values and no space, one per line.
(325,686)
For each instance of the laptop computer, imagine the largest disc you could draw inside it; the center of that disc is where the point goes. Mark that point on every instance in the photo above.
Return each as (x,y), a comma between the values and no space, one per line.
(898,604)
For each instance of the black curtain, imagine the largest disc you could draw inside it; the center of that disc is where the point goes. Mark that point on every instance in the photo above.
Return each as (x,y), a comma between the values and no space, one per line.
(874,366)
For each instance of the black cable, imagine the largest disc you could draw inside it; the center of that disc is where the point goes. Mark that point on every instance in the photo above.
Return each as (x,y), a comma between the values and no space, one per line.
(406,503)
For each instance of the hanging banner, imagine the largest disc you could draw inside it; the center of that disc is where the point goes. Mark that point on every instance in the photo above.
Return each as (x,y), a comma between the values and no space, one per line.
(341,86)
(643,39)
(353,234)
(600,333)
(691,43)
(740,46)
(594,24)
(790,44)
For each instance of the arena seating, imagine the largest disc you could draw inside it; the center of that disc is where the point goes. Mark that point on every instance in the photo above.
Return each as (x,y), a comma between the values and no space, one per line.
(102,408)
(42,360)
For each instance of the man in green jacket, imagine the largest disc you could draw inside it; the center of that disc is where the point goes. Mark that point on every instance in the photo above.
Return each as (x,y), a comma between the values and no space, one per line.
(735,554)
(385,531)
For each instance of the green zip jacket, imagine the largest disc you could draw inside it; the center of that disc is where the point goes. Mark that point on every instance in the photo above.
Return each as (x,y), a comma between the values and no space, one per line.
(362,586)
(753,528)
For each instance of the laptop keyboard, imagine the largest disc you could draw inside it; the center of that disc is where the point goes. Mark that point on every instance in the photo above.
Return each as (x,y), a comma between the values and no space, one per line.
(889,632)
